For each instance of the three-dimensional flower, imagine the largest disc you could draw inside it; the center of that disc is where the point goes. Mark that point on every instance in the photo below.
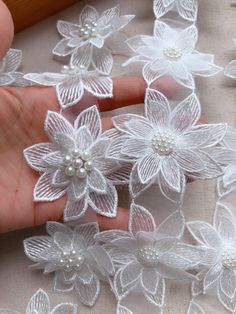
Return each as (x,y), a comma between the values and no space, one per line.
(72,83)
(171,52)
(218,257)
(146,255)
(40,303)
(74,257)
(166,145)
(187,9)
(86,40)
(74,163)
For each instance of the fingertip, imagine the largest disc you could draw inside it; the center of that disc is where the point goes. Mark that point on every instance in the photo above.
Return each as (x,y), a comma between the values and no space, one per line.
(120,222)
(167,86)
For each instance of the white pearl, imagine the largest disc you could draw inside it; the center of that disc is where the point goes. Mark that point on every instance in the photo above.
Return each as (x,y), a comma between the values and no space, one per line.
(82,67)
(78,163)
(70,171)
(88,165)
(163,143)
(94,24)
(81,173)
(67,160)
(86,155)
(148,257)
(76,152)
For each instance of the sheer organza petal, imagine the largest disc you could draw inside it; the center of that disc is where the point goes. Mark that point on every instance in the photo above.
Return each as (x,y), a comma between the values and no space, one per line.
(148,167)
(101,87)
(62,49)
(69,92)
(171,172)
(56,123)
(149,280)
(173,225)
(38,303)
(65,28)
(140,220)
(88,14)
(102,60)
(211,276)
(228,282)
(88,294)
(75,209)
(130,273)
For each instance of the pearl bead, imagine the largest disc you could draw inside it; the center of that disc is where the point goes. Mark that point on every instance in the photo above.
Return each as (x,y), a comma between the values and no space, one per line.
(163,143)
(172,53)
(148,257)
(76,153)
(88,165)
(71,260)
(78,163)
(67,160)
(228,258)
(86,155)
(70,171)
(81,173)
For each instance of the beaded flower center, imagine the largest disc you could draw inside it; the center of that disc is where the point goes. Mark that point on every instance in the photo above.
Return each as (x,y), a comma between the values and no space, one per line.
(163,143)
(228,258)
(148,257)
(72,69)
(88,30)
(78,164)
(172,53)
(71,261)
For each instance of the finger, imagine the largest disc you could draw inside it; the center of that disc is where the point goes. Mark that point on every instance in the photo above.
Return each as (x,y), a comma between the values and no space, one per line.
(131,90)
(120,222)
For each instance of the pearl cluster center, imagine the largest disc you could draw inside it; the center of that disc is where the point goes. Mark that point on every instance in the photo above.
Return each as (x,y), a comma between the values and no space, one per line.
(71,260)
(72,69)
(148,257)
(228,258)
(163,143)
(172,53)
(88,30)
(78,164)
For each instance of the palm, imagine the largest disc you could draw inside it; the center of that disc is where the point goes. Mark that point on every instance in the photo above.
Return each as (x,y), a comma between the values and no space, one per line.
(22,115)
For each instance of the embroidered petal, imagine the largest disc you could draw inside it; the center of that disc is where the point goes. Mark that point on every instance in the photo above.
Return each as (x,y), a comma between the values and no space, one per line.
(228,283)
(136,148)
(159,8)
(101,87)
(211,276)
(63,241)
(140,220)
(148,167)
(82,56)
(56,123)
(53,227)
(75,209)
(149,280)
(88,14)
(12,60)
(173,225)
(45,192)
(224,222)
(38,303)
(188,38)
(195,308)
(65,28)
(85,274)
(67,308)
(46,79)
(6,79)
(69,92)
(60,285)
(158,298)
(171,173)
(135,185)
(35,246)
(102,60)
(130,273)
(54,159)
(88,294)
(79,187)
(103,260)
(83,138)
(62,49)
(188,160)
(59,179)
(97,181)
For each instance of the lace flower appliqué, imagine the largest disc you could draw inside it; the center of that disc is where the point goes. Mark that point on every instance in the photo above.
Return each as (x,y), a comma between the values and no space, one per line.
(39,303)
(171,52)
(230,69)
(86,40)
(74,257)
(72,83)
(187,9)
(147,254)
(218,244)
(166,145)
(75,163)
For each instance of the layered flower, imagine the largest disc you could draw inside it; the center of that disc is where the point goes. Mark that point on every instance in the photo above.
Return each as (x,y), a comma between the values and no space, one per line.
(218,257)
(166,145)
(85,41)
(187,9)
(74,163)
(171,52)
(8,69)
(226,157)
(72,83)
(74,257)
(40,303)
(146,255)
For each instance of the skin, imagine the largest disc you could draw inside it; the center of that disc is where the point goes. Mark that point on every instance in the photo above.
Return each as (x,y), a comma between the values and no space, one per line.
(7,29)
(23,111)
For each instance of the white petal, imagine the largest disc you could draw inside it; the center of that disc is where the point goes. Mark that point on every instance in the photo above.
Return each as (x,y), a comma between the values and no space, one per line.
(60,179)
(154,70)
(85,274)
(35,246)
(157,108)
(83,138)
(38,303)
(102,260)
(188,38)
(44,191)
(111,235)
(113,150)
(63,241)
(65,308)
(56,123)
(195,308)
(65,28)
(229,175)
(230,70)
(158,298)
(53,227)
(173,225)
(69,92)
(122,175)
(121,310)
(159,8)
(88,14)
(140,220)
(188,82)
(211,276)
(173,260)
(64,143)
(98,42)
(188,160)
(109,15)
(62,49)
(137,42)
(46,79)
(80,188)
(121,21)
(149,280)
(34,155)
(117,255)
(188,9)
(101,87)
(54,159)
(130,273)
(139,128)
(227,302)
(148,167)
(164,31)
(186,114)
(105,204)
(224,222)
(12,60)
(91,119)
(223,156)
(135,185)
(88,232)
(230,138)
(102,60)
(81,56)
(96,181)
(171,173)
(88,294)
(75,209)
(136,148)
(120,122)
(60,284)
(228,282)
(168,192)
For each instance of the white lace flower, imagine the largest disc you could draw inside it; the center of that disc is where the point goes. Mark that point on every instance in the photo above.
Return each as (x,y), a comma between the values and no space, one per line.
(147,254)
(74,257)
(187,9)
(218,244)
(74,163)
(72,83)
(166,145)
(86,40)
(171,52)
(226,156)
(195,308)
(230,69)
(40,303)
(8,69)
